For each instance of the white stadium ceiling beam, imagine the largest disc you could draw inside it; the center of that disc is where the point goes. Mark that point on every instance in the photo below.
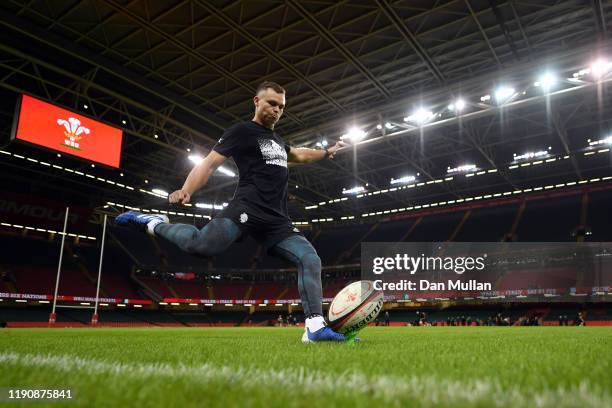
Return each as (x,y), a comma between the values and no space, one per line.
(284,29)
(410,38)
(80,53)
(133,60)
(314,57)
(365,96)
(35,61)
(519,23)
(298,44)
(524,68)
(338,45)
(473,136)
(489,110)
(139,128)
(502,24)
(561,132)
(227,55)
(270,53)
(600,18)
(190,51)
(482,31)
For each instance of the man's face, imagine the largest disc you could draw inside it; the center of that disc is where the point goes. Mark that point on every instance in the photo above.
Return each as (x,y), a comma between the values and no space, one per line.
(269,106)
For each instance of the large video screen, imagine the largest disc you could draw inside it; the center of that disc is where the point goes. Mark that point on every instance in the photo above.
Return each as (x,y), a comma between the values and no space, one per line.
(47,125)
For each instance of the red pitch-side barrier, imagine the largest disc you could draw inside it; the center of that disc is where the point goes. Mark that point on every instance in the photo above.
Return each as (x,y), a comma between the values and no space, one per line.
(108,324)
(111,324)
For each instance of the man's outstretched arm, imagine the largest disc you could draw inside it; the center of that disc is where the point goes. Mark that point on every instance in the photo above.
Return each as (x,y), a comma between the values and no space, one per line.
(305,155)
(197,178)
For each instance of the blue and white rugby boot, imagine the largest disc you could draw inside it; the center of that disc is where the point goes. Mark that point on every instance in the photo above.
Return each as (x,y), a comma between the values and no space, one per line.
(142,222)
(323,334)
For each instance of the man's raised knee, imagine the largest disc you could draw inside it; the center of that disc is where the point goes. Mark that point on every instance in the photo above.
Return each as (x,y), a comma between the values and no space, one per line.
(202,247)
(311,261)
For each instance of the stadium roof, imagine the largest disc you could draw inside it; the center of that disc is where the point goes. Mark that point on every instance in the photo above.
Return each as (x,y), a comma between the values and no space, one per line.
(173,75)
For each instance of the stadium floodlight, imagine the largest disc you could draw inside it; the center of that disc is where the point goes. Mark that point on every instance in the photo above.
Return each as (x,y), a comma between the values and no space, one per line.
(607,140)
(457,106)
(208,206)
(403,180)
(160,192)
(579,74)
(389,125)
(379,126)
(324,143)
(461,169)
(530,155)
(226,171)
(195,158)
(354,135)
(354,190)
(485,98)
(546,81)
(420,116)
(503,93)
(600,68)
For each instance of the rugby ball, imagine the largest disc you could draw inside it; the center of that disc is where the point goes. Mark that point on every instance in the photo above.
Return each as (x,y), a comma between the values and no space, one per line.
(355,306)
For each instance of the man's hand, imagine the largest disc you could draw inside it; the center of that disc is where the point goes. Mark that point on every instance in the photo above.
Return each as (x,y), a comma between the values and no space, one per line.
(179,196)
(331,151)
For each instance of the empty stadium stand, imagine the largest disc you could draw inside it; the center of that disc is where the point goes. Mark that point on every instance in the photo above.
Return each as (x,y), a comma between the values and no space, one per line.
(128,252)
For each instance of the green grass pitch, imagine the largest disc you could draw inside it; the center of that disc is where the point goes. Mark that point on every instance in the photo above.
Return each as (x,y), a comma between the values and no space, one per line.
(263,367)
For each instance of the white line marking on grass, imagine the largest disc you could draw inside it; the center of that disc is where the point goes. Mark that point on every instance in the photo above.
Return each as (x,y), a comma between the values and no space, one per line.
(425,390)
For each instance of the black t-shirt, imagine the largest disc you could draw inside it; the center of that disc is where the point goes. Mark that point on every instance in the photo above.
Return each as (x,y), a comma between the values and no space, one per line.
(261,157)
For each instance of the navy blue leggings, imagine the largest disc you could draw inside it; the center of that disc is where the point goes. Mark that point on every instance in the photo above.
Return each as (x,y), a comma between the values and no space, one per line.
(220,233)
